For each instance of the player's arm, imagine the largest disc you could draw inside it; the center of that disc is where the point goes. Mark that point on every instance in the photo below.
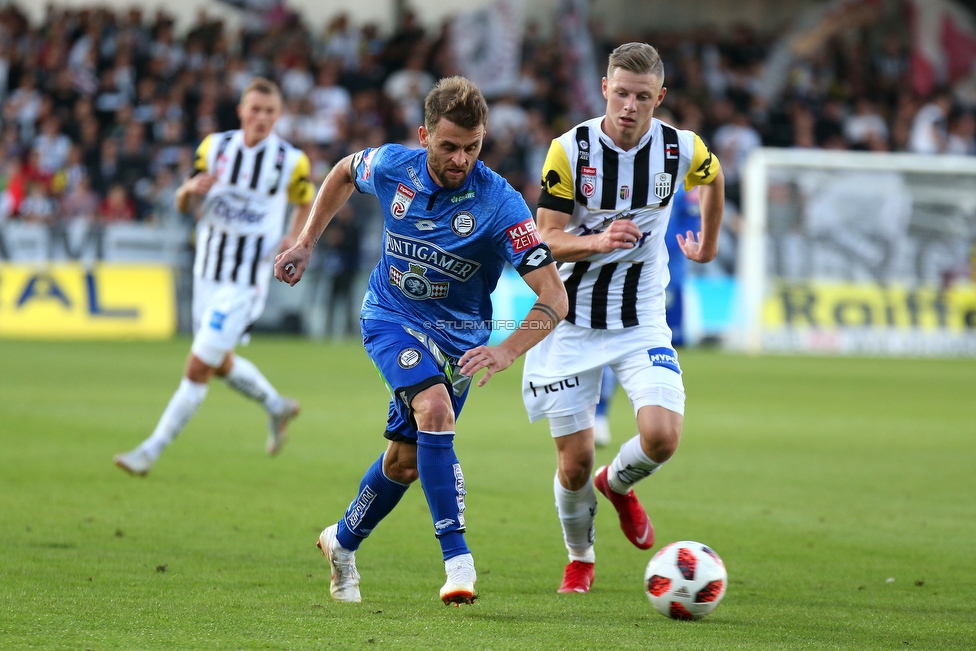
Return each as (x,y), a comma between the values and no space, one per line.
(566,247)
(556,205)
(540,321)
(301,191)
(198,184)
(705,172)
(335,191)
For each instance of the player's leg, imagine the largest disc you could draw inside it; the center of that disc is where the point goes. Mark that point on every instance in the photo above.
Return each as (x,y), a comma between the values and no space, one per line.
(219,315)
(601,425)
(652,379)
(576,503)
(182,406)
(242,375)
(435,410)
(380,490)
(568,403)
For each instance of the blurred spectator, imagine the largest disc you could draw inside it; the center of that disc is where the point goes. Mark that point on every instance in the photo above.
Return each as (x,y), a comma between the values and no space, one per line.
(865,124)
(80,200)
(117,206)
(341,265)
(962,133)
(733,142)
(409,86)
(928,134)
(52,147)
(38,206)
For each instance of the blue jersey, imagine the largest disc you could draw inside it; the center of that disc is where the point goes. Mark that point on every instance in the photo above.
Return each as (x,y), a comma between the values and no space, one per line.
(443,249)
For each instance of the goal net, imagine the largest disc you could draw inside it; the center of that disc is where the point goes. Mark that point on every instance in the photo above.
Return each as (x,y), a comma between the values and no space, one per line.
(857,253)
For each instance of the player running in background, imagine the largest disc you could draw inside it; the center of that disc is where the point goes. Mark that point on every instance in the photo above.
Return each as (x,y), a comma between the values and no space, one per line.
(246,178)
(451,225)
(604,209)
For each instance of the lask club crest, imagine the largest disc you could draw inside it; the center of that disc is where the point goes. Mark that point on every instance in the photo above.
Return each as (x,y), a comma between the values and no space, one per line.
(662,185)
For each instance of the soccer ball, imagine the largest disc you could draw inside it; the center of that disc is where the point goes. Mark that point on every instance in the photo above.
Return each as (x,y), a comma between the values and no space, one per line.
(685,580)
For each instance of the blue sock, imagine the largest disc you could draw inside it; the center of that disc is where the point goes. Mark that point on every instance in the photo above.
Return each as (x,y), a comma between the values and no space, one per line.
(607,388)
(443,484)
(378,495)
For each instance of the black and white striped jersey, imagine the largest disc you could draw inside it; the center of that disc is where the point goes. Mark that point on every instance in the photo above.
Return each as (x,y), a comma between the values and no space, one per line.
(243,214)
(595,182)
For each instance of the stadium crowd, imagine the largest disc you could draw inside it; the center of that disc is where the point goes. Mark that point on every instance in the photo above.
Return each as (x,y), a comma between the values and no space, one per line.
(101,111)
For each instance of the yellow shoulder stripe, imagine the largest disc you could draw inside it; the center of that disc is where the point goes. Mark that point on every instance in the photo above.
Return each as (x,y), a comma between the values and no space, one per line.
(301,190)
(557,175)
(200,164)
(704,166)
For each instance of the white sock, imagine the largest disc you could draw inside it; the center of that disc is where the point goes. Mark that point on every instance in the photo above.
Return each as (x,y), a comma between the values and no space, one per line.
(184,403)
(246,378)
(630,466)
(576,510)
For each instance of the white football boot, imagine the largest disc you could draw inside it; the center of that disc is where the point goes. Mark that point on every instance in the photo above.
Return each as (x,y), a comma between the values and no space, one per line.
(601,431)
(278,425)
(345,577)
(459,588)
(134,462)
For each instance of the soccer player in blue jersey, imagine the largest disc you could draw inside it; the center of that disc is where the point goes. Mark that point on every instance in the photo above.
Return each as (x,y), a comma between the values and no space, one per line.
(451,225)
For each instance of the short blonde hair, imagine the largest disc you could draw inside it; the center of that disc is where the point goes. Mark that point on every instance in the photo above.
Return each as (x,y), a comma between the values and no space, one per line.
(639,58)
(263,86)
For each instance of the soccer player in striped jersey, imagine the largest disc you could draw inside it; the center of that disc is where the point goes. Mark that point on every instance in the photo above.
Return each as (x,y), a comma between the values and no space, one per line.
(451,224)
(606,200)
(246,178)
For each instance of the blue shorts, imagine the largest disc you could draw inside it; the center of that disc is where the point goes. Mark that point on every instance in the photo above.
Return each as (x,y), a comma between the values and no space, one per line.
(409,362)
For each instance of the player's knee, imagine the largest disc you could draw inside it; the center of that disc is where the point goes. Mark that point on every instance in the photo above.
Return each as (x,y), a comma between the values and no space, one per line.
(198,371)
(433,411)
(661,442)
(575,476)
(575,470)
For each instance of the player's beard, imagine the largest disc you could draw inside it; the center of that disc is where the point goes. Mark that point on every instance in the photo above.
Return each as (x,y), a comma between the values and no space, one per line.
(439,173)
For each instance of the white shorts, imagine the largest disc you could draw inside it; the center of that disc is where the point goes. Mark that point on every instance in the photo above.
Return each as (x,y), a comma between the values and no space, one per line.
(563,372)
(222,313)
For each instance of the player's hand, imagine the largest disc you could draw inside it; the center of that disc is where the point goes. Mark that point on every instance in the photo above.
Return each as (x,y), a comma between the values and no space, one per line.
(620,234)
(201,183)
(493,358)
(694,249)
(290,265)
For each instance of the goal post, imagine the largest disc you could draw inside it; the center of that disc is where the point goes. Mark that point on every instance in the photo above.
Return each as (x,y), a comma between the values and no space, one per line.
(856,253)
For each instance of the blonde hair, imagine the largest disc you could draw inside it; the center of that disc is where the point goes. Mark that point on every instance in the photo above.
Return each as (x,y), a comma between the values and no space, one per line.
(263,86)
(639,58)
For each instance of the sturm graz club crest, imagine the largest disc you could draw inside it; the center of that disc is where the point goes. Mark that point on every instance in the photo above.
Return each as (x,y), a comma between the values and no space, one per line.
(415,285)
(463,223)
(409,357)
(662,185)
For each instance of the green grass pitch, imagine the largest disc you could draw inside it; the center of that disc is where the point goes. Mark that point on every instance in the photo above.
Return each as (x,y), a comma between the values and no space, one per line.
(841,494)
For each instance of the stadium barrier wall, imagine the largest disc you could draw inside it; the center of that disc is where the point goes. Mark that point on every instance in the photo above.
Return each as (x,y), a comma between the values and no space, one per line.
(75,301)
